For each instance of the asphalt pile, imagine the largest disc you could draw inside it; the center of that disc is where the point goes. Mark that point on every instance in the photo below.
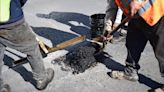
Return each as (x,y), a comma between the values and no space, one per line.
(81,59)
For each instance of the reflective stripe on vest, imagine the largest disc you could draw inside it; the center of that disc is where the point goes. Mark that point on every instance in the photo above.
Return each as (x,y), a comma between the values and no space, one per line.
(152,11)
(4,10)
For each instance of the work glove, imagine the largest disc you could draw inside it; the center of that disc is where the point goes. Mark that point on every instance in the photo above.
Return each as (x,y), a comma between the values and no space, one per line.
(106,34)
(135,5)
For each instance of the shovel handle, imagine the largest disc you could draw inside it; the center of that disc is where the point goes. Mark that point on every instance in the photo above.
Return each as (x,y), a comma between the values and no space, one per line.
(116,29)
(120,25)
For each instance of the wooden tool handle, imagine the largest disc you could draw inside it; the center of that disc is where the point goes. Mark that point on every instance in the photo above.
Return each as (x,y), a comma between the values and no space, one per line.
(67,43)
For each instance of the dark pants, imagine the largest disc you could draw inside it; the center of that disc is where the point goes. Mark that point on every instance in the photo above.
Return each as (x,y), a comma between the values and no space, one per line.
(139,33)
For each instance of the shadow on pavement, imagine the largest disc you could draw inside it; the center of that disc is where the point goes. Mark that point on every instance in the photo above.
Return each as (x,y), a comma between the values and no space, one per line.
(148,81)
(26,75)
(79,23)
(54,35)
(111,64)
(57,36)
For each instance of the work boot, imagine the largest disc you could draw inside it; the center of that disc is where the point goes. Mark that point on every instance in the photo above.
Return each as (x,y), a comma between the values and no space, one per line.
(122,75)
(42,84)
(5,88)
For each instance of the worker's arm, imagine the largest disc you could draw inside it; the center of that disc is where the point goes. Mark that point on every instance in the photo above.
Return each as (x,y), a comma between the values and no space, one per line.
(111,12)
(135,5)
(118,18)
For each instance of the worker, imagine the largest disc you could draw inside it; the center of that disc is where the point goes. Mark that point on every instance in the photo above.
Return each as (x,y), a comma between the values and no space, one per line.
(146,24)
(17,34)
(116,20)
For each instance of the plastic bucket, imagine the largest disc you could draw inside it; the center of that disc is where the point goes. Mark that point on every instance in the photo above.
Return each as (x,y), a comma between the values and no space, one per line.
(97,24)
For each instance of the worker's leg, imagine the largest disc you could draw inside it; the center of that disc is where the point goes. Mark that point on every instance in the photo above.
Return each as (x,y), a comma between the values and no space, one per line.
(156,38)
(21,38)
(2,49)
(3,87)
(157,41)
(135,44)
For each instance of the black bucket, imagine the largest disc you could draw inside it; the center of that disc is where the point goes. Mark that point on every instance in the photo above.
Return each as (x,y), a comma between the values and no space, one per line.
(97,24)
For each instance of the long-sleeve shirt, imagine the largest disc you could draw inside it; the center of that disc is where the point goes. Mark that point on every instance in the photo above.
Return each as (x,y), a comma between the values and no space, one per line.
(118,16)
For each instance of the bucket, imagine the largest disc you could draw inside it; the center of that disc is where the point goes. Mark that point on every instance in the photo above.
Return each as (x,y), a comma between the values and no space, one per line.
(97,24)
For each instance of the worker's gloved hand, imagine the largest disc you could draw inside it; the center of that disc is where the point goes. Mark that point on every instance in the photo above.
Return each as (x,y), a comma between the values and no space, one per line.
(107,30)
(135,5)
(107,36)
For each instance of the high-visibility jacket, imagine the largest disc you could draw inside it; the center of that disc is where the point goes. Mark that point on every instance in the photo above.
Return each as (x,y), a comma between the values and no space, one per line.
(4,10)
(11,12)
(151,11)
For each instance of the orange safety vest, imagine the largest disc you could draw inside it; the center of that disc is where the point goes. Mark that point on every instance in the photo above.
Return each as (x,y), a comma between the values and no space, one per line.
(151,11)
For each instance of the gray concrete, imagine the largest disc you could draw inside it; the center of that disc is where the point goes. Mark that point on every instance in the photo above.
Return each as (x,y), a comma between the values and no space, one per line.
(73,20)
